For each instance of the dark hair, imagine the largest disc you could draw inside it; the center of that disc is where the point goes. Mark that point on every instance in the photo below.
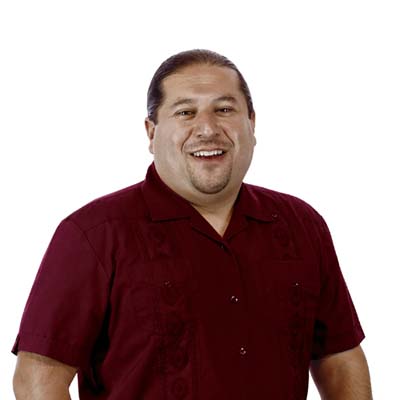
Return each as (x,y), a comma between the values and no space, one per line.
(185,59)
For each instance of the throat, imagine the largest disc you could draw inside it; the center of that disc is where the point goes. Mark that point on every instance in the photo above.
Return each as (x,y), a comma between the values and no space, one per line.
(220,228)
(219,222)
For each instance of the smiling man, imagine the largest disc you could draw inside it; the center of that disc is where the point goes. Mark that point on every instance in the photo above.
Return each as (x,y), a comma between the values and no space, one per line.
(202,138)
(192,284)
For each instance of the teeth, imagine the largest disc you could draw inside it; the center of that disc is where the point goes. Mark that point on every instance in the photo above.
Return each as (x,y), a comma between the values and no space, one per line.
(208,153)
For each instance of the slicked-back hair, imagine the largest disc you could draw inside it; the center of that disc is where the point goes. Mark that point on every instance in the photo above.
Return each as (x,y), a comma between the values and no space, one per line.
(173,64)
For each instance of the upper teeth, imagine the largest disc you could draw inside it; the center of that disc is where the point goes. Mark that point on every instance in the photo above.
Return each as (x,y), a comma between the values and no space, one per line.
(207,153)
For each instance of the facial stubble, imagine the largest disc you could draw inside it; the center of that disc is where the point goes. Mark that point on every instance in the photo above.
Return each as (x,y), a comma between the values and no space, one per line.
(209,180)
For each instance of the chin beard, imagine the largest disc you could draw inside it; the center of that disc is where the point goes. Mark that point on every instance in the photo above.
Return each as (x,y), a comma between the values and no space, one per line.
(212,185)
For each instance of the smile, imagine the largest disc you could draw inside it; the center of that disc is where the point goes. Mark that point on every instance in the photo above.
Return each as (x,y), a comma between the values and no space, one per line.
(210,153)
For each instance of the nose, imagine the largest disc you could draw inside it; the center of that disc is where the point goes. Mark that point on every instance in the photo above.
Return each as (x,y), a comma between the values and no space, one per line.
(205,125)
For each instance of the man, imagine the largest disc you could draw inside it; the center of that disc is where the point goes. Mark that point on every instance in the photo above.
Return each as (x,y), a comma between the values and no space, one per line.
(192,284)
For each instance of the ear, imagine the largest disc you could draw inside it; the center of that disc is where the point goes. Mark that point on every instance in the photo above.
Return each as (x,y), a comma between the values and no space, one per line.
(253,120)
(150,129)
(253,126)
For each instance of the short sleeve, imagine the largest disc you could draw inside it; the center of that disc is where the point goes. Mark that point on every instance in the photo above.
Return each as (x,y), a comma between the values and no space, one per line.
(66,307)
(337,327)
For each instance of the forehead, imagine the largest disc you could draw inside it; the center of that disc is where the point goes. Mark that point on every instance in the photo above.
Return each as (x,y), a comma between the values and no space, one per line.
(201,80)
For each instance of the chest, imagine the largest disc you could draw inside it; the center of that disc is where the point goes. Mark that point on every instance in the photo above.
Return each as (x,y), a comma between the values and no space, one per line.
(165,268)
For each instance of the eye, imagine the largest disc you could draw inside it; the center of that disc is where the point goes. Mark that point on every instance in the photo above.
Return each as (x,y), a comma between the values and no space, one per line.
(184,113)
(225,110)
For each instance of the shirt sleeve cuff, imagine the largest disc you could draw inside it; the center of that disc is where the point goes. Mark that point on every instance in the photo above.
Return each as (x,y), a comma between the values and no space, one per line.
(48,347)
(340,343)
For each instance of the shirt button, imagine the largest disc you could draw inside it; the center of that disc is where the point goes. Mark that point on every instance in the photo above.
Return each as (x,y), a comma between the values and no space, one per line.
(243,351)
(234,299)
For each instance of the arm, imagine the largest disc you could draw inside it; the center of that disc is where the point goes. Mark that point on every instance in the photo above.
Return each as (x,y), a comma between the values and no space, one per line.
(342,376)
(41,378)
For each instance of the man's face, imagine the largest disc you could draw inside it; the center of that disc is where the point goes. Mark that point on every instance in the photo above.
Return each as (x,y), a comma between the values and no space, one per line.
(204,140)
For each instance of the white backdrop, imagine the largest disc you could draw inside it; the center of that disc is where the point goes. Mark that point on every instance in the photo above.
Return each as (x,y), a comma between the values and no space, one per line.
(325,82)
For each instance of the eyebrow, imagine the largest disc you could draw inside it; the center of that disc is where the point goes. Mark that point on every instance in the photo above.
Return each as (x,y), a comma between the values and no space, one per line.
(232,99)
(181,101)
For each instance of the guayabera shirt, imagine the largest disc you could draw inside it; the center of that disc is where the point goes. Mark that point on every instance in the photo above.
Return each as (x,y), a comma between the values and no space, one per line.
(139,292)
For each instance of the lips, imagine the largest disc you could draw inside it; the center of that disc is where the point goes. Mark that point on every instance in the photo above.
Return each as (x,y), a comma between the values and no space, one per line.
(208,153)
(214,155)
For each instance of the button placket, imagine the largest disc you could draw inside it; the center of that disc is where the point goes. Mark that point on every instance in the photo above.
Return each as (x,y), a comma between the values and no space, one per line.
(235,299)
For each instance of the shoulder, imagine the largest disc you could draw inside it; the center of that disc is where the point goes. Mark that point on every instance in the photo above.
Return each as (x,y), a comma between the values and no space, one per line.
(121,205)
(292,213)
(284,203)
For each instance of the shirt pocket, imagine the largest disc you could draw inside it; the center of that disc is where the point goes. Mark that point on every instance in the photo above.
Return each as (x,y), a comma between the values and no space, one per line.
(162,299)
(298,301)
(294,296)
(297,297)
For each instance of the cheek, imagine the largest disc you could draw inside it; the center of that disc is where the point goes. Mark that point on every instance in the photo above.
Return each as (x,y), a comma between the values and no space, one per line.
(245,138)
(245,148)
(169,142)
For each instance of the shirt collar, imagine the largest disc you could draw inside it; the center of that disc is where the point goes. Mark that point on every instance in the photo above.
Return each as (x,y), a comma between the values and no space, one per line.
(165,204)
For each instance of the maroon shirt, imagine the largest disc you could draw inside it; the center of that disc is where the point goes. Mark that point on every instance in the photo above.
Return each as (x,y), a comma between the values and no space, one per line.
(140,292)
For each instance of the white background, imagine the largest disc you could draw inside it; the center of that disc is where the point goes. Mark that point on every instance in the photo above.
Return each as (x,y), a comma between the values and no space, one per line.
(325,82)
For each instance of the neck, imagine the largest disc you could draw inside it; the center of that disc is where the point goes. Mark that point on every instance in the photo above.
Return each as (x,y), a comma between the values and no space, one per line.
(217,214)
